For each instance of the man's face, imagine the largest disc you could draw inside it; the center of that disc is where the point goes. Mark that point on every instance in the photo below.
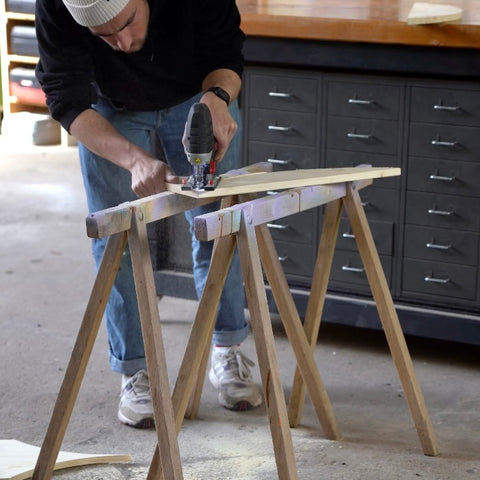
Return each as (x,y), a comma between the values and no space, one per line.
(128,30)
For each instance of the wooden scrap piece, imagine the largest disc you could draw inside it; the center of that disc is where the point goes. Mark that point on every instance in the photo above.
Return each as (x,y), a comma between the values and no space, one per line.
(423,13)
(17,459)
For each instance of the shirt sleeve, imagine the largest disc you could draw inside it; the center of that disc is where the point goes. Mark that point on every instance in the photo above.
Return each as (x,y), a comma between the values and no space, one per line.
(65,68)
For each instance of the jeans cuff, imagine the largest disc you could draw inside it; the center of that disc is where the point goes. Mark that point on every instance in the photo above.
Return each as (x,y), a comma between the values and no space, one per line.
(231,337)
(127,367)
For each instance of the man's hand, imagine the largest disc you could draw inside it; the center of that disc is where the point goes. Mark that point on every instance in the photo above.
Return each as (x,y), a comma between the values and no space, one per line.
(149,176)
(224,126)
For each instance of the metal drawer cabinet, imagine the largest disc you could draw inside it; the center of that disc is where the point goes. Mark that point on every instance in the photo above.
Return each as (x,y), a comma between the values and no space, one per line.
(282,157)
(367,99)
(297,261)
(277,126)
(382,233)
(362,135)
(449,142)
(448,106)
(298,228)
(446,281)
(441,245)
(443,211)
(348,273)
(284,91)
(443,176)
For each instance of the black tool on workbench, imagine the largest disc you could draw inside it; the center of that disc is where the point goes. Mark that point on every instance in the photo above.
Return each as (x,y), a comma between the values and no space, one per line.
(199,148)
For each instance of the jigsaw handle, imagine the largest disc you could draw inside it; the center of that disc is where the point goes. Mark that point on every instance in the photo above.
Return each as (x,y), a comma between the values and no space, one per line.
(199,140)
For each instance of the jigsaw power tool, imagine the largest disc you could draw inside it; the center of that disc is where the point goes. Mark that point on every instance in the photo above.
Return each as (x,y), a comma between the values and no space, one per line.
(199,148)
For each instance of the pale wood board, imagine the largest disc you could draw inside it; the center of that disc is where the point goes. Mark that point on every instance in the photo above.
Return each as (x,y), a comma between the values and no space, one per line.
(263,182)
(17,459)
(423,13)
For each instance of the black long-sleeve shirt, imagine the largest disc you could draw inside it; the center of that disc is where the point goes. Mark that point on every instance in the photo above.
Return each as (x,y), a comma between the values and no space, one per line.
(187,39)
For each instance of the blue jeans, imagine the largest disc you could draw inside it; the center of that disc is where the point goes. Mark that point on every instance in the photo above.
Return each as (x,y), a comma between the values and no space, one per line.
(107,185)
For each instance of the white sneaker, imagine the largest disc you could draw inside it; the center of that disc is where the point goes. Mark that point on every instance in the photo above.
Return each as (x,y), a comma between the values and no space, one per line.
(135,408)
(230,373)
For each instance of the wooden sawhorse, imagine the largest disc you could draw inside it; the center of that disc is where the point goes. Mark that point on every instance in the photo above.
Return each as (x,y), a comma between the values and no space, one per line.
(247,221)
(129,221)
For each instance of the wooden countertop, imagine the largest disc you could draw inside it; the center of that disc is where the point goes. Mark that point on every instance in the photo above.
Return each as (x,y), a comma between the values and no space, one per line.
(371,21)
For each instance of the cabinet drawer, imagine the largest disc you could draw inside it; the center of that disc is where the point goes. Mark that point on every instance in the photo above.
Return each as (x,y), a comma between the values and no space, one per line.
(362,135)
(443,176)
(444,141)
(440,279)
(347,267)
(382,233)
(446,106)
(296,259)
(283,92)
(343,158)
(282,127)
(298,228)
(282,157)
(367,100)
(445,211)
(379,203)
(441,245)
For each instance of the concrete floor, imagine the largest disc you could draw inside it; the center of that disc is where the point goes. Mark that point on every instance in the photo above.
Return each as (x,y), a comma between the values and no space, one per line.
(46,274)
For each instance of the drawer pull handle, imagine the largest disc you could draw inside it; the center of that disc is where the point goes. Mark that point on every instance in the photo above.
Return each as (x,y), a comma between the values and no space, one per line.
(272,192)
(438,247)
(439,212)
(282,259)
(348,235)
(443,281)
(347,268)
(278,128)
(277,226)
(446,107)
(442,178)
(278,161)
(357,101)
(440,143)
(363,136)
(280,94)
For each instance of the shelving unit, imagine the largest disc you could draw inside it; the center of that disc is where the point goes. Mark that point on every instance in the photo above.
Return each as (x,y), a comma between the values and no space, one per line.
(10,60)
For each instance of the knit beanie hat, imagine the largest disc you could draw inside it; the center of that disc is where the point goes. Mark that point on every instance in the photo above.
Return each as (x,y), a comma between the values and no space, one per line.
(91,13)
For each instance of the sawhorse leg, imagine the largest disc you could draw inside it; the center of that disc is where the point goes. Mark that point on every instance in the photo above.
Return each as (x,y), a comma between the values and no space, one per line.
(385,306)
(316,301)
(265,346)
(167,443)
(389,318)
(80,355)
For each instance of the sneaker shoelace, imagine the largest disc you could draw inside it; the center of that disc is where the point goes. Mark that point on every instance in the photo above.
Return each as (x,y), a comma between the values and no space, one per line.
(138,386)
(237,362)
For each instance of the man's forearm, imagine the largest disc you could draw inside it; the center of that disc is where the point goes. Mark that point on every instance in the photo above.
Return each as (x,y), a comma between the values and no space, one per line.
(99,136)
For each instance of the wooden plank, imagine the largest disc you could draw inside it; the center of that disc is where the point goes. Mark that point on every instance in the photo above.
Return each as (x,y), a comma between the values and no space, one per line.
(295,333)
(155,207)
(154,349)
(17,459)
(389,318)
(80,355)
(263,182)
(426,13)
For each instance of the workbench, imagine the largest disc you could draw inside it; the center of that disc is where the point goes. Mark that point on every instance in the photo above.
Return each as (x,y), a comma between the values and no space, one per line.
(365,87)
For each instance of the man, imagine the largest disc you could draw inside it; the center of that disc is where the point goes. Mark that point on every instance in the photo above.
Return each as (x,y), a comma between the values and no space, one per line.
(116,72)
